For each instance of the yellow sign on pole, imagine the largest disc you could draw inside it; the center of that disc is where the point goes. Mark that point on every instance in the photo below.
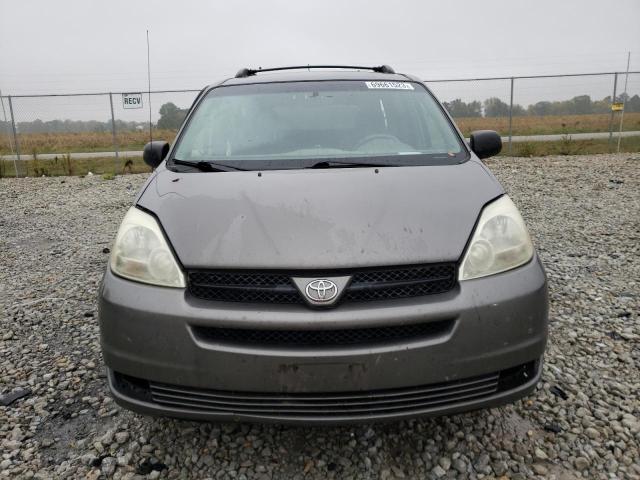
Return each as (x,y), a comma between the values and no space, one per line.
(617,107)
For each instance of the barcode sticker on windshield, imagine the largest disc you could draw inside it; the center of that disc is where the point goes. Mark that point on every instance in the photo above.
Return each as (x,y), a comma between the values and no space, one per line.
(391,85)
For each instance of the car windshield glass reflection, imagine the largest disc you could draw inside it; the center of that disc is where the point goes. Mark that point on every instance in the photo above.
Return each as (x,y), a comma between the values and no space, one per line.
(318,120)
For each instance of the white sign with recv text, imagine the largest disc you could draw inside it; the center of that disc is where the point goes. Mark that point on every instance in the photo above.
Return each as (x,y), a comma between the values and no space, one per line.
(131,100)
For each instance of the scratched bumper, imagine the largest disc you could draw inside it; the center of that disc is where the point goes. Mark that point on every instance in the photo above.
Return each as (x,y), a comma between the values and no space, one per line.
(498,324)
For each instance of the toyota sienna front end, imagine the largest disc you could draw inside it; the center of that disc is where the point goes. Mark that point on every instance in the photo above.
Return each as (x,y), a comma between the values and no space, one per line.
(321,246)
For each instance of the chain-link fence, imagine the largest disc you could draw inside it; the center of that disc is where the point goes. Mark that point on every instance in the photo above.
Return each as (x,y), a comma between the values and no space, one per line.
(56,132)
(6,137)
(53,133)
(628,120)
(167,111)
(567,112)
(58,125)
(481,104)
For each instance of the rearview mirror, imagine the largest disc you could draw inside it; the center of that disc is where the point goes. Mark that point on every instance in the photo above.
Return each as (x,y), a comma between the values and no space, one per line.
(485,143)
(154,152)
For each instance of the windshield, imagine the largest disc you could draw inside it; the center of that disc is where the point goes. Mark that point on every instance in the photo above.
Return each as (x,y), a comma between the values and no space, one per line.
(286,124)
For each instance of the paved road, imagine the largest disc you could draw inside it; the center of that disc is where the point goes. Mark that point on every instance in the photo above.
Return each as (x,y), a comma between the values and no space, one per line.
(517,138)
(574,136)
(76,155)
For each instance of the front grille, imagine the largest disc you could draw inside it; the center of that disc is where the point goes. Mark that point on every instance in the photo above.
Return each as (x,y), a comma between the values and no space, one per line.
(401,283)
(366,284)
(353,403)
(262,287)
(345,405)
(325,338)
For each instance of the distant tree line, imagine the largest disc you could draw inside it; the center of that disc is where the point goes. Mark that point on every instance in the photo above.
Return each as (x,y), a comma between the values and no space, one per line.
(75,126)
(580,105)
(171,116)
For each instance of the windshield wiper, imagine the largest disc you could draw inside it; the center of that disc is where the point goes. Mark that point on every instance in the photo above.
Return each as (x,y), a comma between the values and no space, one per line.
(208,166)
(337,163)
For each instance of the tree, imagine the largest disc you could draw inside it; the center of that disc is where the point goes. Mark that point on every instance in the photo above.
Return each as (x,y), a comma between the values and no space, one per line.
(633,104)
(474,109)
(518,110)
(171,117)
(540,108)
(458,108)
(601,106)
(581,105)
(494,107)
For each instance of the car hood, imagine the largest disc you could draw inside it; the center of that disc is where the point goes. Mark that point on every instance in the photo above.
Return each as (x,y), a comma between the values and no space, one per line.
(320,218)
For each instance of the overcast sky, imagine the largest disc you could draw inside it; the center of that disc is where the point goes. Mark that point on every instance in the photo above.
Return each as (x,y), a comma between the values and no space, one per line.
(87,46)
(83,45)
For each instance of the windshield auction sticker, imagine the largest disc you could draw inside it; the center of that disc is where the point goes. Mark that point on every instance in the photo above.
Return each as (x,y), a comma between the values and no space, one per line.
(390,85)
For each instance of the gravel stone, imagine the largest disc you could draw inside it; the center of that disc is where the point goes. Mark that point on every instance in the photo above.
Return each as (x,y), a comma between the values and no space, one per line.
(460,465)
(540,454)
(592,433)
(445,463)
(581,463)
(539,469)
(108,466)
(586,228)
(438,471)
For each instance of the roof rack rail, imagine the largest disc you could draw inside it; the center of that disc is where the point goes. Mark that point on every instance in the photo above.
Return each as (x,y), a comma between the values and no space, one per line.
(247,72)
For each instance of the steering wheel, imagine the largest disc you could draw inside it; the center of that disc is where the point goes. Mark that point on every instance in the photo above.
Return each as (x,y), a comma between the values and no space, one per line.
(377,136)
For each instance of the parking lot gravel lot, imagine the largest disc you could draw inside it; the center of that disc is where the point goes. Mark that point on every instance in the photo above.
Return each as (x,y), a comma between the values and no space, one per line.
(583,421)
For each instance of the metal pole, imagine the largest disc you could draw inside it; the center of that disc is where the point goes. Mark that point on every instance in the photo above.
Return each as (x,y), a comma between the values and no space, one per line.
(510,116)
(149,87)
(13,126)
(113,132)
(624,100)
(4,116)
(613,100)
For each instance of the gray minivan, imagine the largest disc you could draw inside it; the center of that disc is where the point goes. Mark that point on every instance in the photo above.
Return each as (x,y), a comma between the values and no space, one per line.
(321,245)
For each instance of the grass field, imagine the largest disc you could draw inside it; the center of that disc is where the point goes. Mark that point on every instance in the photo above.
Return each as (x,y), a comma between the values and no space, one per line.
(53,168)
(109,166)
(569,147)
(549,125)
(31,143)
(37,143)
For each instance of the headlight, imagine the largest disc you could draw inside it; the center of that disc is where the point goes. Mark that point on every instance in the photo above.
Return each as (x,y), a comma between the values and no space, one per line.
(500,241)
(141,252)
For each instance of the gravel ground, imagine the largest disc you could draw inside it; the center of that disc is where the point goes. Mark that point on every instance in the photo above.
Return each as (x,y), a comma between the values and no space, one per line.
(582,422)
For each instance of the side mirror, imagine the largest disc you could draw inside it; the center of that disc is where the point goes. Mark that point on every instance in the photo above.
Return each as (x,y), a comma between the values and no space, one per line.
(485,143)
(154,152)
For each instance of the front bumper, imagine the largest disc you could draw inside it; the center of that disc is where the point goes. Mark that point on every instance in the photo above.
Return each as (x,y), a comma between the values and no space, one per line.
(498,324)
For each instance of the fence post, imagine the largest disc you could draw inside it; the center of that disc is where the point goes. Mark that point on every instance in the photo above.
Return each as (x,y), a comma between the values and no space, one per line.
(613,100)
(13,127)
(510,115)
(6,124)
(113,132)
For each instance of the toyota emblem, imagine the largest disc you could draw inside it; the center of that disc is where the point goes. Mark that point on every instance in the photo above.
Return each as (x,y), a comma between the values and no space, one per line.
(321,290)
